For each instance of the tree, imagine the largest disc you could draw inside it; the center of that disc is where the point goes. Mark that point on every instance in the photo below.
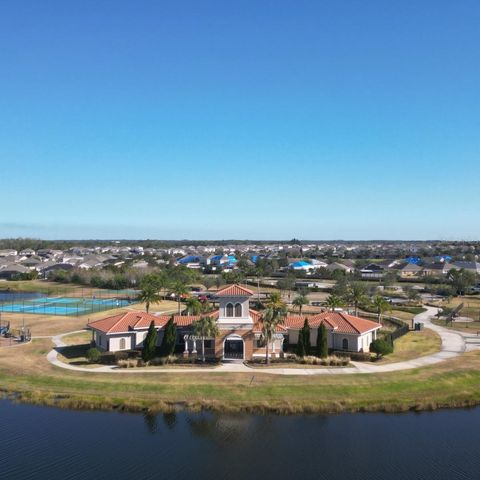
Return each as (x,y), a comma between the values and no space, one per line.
(341,287)
(287,283)
(205,328)
(300,348)
(411,293)
(169,339)
(299,302)
(381,347)
(149,294)
(333,302)
(357,295)
(274,315)
(179,289)
(322,343)
(461,280)
(194,306)
(150,343)
(381,306)
(305,332)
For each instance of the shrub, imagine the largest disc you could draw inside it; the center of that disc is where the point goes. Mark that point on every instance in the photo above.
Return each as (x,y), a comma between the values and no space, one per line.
(130,363)
(381,347)
(120,356)
(107,358)
(93,355)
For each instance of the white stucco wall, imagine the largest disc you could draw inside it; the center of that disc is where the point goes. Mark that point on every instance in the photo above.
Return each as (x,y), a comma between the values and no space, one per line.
(243,301)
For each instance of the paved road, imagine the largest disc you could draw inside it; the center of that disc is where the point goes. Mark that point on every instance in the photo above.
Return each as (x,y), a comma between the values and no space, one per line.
(453,344)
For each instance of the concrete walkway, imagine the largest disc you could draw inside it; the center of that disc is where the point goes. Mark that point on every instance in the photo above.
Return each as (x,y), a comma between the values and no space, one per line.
(453,344)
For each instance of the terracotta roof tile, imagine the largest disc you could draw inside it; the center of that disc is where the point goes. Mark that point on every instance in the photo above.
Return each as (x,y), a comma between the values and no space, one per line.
(234,291)
(123,322)
(341,322)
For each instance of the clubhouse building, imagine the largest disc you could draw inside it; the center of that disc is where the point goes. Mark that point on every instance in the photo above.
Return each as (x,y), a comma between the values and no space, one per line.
(240,330)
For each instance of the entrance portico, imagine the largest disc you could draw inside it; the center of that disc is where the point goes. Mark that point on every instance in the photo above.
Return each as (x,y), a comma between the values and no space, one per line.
(233,347)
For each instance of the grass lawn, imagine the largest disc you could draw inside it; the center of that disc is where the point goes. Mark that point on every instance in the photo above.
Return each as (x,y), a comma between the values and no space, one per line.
(467,327)
(25,371)
(413,345)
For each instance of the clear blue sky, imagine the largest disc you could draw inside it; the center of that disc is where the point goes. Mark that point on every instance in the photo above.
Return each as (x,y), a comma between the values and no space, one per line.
(240,119)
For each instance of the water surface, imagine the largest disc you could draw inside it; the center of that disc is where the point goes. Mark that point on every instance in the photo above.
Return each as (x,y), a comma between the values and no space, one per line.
(48,443)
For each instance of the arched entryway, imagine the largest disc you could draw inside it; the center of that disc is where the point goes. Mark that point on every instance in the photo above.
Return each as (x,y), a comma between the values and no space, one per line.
(233,348)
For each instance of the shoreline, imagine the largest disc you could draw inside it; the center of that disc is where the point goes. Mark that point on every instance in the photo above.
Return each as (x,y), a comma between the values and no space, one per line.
(75,403)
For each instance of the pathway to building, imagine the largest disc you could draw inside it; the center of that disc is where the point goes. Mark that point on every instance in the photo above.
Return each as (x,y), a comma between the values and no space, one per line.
(453,344)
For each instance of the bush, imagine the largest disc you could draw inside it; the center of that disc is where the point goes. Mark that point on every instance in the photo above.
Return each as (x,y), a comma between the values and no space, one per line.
(332,361)
(381,347)
(354,356)
(129,363)
(107,358)
(93,355)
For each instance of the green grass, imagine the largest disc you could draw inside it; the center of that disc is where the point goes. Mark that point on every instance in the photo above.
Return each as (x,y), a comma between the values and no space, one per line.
(26,372)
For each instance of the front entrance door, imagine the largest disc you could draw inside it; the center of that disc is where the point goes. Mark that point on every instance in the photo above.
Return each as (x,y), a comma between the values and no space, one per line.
(233,349)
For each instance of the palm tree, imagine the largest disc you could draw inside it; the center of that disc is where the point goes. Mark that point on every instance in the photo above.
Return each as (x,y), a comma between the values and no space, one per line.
(179,289)
(299,302)
(274,315)
(205,328)
(357,295)
(194,306)
(333,301)
(148,295)
(381,306)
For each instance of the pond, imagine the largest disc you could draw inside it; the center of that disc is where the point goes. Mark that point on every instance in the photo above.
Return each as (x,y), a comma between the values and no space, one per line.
(44,443)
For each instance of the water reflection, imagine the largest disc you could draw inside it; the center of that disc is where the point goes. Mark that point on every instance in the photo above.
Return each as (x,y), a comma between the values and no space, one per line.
(45,443)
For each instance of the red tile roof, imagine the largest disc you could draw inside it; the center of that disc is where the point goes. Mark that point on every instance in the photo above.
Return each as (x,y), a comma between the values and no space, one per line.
(123,322)
(234,291)
(340,322)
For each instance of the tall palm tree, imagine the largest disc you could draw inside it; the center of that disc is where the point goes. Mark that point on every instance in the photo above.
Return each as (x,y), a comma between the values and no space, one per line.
(179,289)
(148,295)
(381,306)
(274,315)
(205,327)
(299,302)
(194,306)
(333,301)
(357,295)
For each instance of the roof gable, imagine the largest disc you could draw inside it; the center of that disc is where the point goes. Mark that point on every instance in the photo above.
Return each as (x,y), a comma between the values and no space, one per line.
(234,291)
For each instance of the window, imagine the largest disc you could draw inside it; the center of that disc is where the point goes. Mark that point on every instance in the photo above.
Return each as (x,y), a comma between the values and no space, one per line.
(122,344)
(345,344)
(229,310)
(238,310)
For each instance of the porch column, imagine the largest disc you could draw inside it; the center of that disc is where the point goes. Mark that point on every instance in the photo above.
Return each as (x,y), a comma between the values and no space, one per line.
(194,351)
(185,352)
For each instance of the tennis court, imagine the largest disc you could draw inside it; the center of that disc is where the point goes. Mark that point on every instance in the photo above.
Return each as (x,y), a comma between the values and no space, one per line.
(63,305)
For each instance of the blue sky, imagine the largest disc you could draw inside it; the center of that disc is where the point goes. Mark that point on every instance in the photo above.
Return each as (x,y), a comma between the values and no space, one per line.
(246,119)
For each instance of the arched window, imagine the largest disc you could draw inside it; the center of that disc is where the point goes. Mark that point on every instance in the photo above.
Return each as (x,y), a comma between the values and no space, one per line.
(122,344)
(238,309)
(345,344)
(229,310)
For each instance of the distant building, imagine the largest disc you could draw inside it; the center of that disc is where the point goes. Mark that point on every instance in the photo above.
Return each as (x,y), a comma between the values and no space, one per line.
(373,271)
